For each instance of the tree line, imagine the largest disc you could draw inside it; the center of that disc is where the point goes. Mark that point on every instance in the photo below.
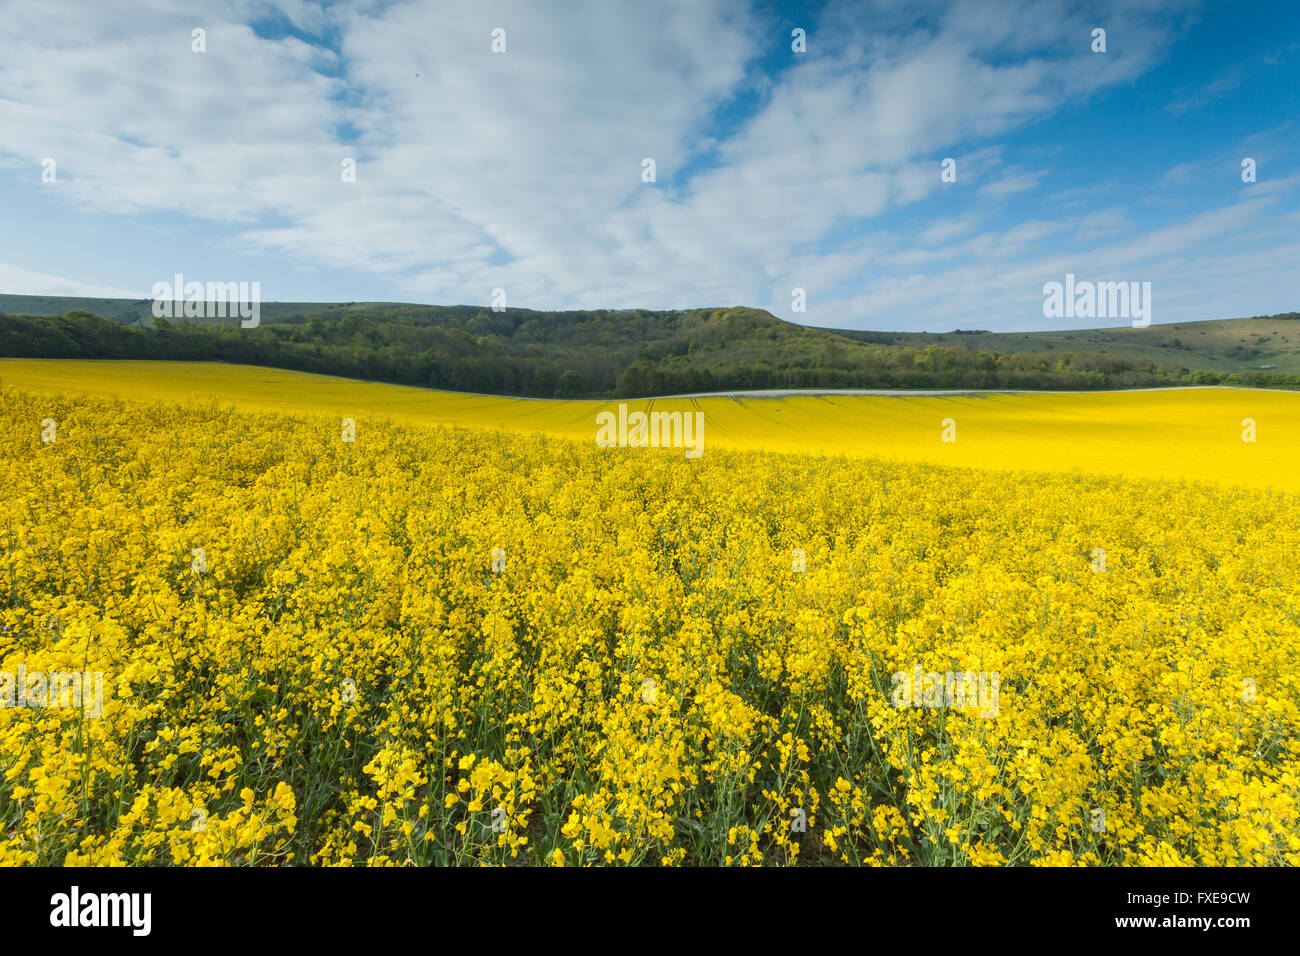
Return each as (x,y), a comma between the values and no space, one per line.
(588,354)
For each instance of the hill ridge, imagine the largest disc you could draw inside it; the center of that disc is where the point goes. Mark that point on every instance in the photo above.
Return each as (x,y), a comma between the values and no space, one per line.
(606,353)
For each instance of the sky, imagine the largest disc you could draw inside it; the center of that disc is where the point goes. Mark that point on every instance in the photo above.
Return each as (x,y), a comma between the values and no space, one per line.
(775,169)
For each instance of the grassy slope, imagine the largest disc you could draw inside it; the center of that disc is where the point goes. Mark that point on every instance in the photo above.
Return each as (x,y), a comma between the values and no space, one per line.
(130,311)
(1270,343)
(1267,343)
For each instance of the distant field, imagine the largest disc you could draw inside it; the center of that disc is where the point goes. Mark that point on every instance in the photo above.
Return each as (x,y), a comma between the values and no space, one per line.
(1192,434)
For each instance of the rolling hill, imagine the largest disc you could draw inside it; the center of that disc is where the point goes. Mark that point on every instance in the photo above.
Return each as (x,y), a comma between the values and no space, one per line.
(1261,343)
(607,354)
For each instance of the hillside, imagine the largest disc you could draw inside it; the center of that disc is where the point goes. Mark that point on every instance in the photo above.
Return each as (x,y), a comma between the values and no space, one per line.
(605,354)
(140,311)
(1262,343)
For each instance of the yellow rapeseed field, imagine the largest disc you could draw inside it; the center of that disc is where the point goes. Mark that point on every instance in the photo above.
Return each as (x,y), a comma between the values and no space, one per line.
(408,641)
(1188,434)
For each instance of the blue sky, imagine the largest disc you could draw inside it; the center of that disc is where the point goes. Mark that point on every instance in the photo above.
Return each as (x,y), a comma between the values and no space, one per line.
(775,170)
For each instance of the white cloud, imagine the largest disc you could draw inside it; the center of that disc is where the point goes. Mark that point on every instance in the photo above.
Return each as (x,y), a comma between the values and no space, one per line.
(1102,223)
(943,230)
(522,170)
(1210,266)
(16,280)
(1014,180)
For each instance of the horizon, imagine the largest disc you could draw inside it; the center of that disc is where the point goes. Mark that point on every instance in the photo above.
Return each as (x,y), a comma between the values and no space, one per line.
(957,330)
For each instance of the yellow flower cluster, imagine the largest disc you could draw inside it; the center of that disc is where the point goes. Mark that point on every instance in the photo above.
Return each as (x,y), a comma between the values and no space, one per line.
(438,645)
